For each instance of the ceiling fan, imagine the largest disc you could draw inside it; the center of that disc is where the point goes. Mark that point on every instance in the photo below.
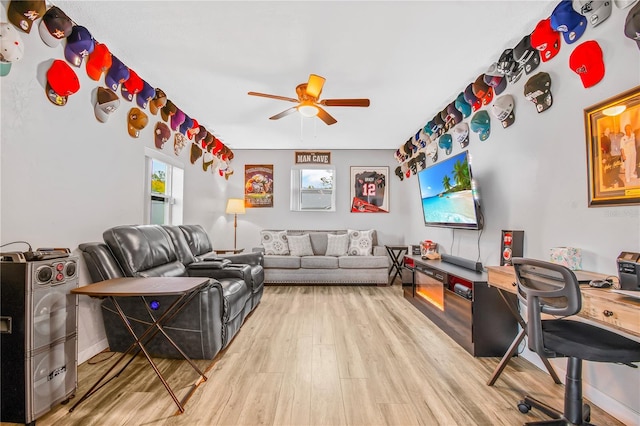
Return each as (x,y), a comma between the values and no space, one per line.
(309,104)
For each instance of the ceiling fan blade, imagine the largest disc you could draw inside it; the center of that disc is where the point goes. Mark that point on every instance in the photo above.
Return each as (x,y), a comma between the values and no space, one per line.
(265,95)
(284,113)
(345,102)
(326,117)
(314,85)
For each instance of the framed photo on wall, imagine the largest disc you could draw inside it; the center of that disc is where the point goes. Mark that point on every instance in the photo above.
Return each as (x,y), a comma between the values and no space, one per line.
(612,129)
(369,189)
(258,185)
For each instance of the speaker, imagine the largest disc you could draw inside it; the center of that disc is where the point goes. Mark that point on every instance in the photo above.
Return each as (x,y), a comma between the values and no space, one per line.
(38,336)
(512,245)
(461,261)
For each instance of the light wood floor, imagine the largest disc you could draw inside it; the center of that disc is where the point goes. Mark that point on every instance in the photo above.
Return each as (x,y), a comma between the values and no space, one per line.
(323,356)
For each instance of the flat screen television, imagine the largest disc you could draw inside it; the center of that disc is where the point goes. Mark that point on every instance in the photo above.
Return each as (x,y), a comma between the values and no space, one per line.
(448,194)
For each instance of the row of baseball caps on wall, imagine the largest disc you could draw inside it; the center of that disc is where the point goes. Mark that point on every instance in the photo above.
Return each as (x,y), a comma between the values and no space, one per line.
(569,18)
(62,82)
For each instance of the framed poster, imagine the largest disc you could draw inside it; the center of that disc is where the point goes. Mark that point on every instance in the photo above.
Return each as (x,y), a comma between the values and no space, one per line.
(258,185)
(612,130)
(369,190)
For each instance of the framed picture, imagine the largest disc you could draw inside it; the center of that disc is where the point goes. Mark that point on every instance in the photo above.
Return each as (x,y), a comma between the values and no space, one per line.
(258,185)
(369,189)
(612,130)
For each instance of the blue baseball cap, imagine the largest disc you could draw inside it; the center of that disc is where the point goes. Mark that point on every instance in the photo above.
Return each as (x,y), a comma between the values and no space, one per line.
(471,98)
(79,44)
(565,20)
(186,124)
(446,143)
(118,73)
(462,105)
(481,124)
(145,95)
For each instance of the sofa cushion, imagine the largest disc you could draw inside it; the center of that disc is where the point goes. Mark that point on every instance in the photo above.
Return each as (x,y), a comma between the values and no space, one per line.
(363,262)
(318,242)
(274,242)
(300,245)
(284,262)
(326,262)
(360,242)
(337,245)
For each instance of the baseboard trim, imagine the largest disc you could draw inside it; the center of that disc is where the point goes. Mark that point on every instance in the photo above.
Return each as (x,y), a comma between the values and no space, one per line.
(92,350)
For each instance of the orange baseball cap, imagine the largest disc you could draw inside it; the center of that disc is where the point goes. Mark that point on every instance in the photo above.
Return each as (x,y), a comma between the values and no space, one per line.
(99,61)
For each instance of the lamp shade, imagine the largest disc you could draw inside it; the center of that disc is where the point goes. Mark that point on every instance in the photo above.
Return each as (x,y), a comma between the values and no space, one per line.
(235,206)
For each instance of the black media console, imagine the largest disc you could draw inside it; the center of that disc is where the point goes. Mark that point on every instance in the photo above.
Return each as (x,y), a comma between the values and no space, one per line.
(461,303)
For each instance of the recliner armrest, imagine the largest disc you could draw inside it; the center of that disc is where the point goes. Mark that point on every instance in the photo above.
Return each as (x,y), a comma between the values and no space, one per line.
(199,269)
(250,258)
(210,264)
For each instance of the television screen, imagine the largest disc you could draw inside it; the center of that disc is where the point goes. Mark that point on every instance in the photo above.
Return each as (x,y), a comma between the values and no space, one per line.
(448,194)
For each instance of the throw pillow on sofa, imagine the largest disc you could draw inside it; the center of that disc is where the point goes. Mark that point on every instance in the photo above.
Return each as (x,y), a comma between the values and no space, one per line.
(274,242)
(360,242)
(300,245)
(337,245)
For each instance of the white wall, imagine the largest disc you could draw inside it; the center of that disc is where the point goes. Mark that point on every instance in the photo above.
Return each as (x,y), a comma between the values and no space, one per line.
(66,178)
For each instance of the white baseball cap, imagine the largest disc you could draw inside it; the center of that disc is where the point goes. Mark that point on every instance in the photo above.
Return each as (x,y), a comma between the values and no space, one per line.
(503,109)
(11,47)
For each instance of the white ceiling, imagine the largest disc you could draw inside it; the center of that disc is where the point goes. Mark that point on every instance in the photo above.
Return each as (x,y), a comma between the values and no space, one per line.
(409,58)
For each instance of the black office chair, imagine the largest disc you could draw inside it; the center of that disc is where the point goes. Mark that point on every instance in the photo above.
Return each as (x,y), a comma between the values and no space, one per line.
(553,289)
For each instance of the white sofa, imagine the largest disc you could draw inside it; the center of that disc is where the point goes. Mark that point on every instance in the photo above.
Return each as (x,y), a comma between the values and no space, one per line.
(320,268)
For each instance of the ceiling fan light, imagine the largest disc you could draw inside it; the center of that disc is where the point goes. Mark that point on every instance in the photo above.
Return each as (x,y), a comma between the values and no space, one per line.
(308,110)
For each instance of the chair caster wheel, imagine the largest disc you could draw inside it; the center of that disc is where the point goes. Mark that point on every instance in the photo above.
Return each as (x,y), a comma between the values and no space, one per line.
(524,408)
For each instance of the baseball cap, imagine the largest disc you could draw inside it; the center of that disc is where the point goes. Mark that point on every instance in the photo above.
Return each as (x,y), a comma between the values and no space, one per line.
(439,124)
(503,109)
(136,121)
(143,98)
(168,110)
(158,101)
(538,90)
(462,105)
(162,133)
(179,142)
(453,113)
(482,90)
(432,150)
(80,43)
(506,64)
(526,55)
(499,83)
(461,134)
(11,47)
(61,82)
(194,129)
(107,102)
(202,133)
(596,11)
(632,24)
(177,119)
(471,98)
(54,26)
(481,124)
(186,125)
(446,143)
(118,73)
(209,142)
(23,14)
(545,40)
(196,151)
(99,61)
(586,61)
(131,86)
(568,22)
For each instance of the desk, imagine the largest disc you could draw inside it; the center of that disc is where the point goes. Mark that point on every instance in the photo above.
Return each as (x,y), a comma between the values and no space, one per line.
(186,288)
(602,306)
(223,251)
(396,254)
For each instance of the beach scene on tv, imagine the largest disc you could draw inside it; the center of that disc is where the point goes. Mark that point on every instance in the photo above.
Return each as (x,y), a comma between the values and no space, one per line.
(446,192)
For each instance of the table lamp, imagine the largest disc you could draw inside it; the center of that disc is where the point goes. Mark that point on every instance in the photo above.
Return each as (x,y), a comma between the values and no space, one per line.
(235,206)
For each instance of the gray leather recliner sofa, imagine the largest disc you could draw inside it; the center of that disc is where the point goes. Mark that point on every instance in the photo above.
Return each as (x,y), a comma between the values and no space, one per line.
(212,318)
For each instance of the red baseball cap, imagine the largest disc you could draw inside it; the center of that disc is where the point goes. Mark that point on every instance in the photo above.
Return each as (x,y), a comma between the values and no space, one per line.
(99,61)
(586,61)
(546,40)
(132,86)
(61,82)
(482,90)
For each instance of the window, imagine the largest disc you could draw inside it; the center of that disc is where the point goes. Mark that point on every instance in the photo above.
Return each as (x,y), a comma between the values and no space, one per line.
(313,189)
(163,189)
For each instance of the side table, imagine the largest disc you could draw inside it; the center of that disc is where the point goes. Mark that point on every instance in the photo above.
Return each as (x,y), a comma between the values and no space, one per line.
(185,288)
(395,253)
(223,251)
